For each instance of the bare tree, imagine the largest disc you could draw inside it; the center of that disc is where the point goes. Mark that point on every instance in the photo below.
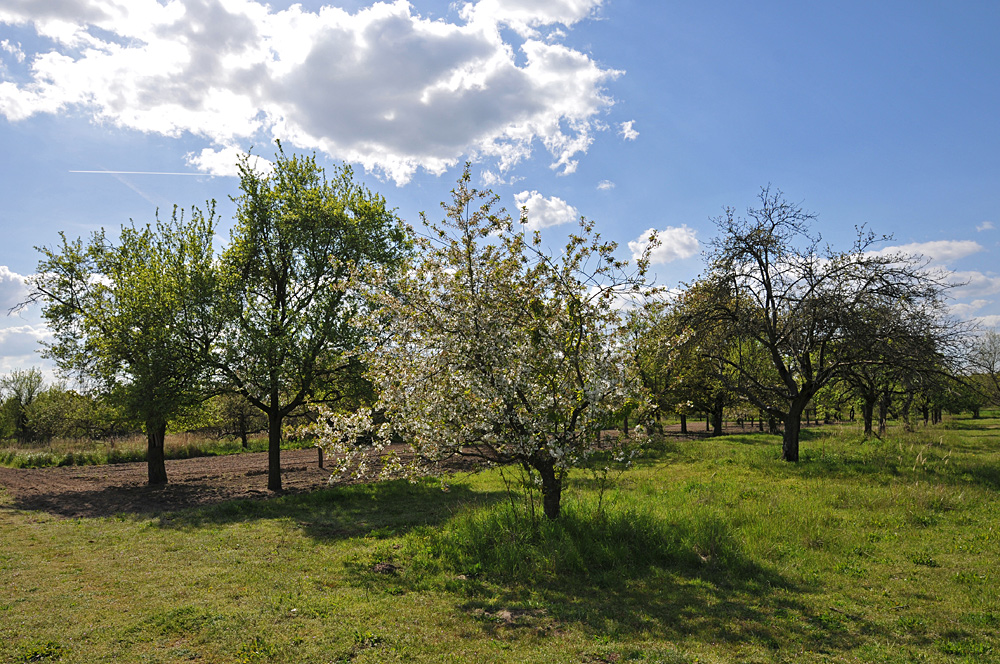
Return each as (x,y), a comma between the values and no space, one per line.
(984,362)
(814,312)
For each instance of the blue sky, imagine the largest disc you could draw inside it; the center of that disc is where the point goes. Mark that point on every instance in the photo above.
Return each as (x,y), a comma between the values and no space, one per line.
(638,115)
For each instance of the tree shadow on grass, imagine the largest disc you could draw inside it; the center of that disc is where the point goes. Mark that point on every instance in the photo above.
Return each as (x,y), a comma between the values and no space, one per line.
(622,578)
(381,510)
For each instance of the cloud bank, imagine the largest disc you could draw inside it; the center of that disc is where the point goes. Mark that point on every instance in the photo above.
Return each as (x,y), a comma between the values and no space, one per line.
(383,87)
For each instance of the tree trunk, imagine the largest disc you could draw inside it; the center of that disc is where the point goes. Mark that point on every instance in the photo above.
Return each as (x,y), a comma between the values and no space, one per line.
(684,424)
(274,450)
(241,423)
(717,415)
(793,424)
(883,414)
(907,405)
(867,415)
(772,424)
(551,487)
(156,433)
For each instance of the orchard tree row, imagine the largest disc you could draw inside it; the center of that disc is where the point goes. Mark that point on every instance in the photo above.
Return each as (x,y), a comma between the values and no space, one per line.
(469,337)
(781,323)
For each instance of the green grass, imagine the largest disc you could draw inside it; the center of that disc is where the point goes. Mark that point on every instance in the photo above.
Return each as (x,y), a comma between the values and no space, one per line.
(710,550)
(130,449)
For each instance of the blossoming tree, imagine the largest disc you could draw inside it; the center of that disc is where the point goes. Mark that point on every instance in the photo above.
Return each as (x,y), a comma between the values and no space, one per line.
(496,349)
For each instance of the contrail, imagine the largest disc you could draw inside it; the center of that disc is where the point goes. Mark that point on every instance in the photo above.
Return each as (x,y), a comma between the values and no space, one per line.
(209,175)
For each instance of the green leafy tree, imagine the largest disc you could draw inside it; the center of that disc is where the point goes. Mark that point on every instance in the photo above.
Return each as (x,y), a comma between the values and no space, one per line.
(290,285)
(124,315)
(497,350)
(18,390)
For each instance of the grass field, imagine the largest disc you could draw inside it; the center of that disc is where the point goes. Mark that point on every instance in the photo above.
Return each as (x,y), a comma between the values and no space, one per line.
(708,551)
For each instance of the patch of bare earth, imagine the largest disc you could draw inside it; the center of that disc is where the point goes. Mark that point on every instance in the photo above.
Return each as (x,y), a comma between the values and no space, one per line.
(95,491)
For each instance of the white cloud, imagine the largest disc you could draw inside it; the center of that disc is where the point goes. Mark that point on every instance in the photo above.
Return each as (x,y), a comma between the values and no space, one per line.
(942,251)
(14,49)
(672,243)
(544,212)
(13,290)
(22,340)
(628,131)
(382,87)
(965,310)
(993,320)
(225,161)
(985,226)
(974,284)
(605,185)
(525,16)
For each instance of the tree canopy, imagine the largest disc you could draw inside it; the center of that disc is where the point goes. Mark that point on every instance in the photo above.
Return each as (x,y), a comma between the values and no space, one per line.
(290,284)
(123,315)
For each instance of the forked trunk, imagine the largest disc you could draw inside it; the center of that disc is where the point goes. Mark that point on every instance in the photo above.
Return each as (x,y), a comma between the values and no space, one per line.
(156,433)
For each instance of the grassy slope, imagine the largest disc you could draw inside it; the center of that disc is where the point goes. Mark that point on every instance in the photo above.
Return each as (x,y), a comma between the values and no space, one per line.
(710,551)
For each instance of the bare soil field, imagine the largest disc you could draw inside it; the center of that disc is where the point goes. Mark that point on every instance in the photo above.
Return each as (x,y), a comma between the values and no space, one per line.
(91,491)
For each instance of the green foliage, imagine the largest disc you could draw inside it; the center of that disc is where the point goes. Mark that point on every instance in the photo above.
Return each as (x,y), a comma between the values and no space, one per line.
(290,284)
(126,316)
(18,391)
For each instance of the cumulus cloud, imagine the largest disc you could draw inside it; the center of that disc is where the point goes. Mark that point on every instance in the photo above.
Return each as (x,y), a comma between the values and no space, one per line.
(985,226)
(628,131)
(13,49)
(544,212)
(12,289)
(966,309)
(973,284)
(383,87)
(22,340)
(526,16)
(672,243)
(993,320)
(941,251)
(225,161)
(605,185)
